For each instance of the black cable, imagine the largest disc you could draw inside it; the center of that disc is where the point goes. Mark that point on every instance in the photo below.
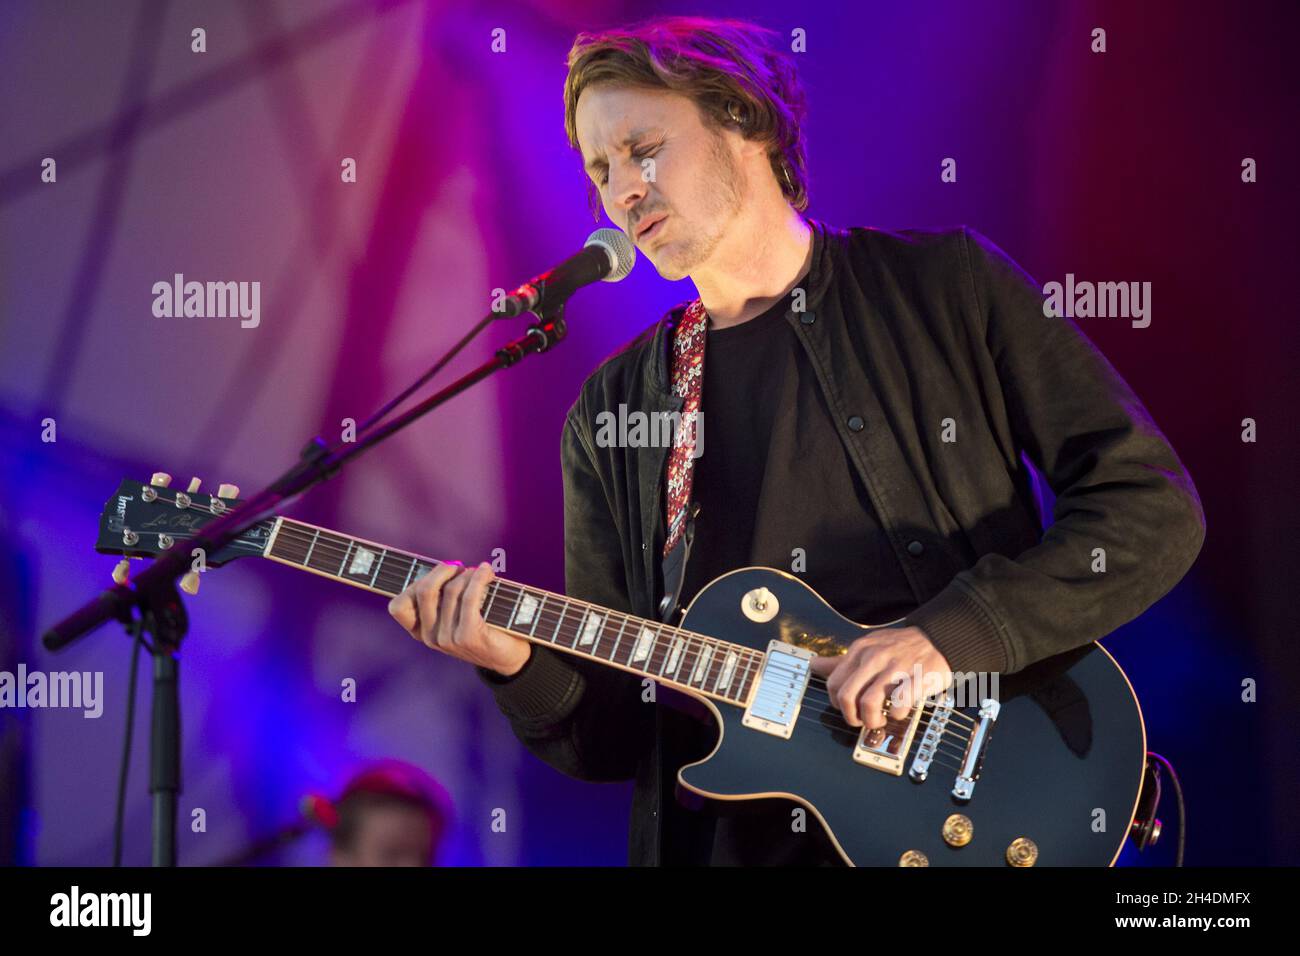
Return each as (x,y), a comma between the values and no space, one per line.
(1182,815)
(136,632)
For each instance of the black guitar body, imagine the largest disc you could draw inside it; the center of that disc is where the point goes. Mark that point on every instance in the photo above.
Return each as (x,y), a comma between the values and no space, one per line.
(1062,766)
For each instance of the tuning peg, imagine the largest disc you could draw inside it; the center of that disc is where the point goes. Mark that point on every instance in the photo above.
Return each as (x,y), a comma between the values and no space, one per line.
(122,571)
(160,479)
(228,491)
(194,486)
(190,582)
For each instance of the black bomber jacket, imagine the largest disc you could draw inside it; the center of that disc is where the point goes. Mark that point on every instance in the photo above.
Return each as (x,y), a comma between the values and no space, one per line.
(916,337)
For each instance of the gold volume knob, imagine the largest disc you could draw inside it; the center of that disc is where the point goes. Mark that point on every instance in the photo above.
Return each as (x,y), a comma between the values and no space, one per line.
(913,858)
(1022,852)
(958,830)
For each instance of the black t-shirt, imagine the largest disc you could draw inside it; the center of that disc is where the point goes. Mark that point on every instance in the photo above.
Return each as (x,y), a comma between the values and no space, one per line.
(766,488)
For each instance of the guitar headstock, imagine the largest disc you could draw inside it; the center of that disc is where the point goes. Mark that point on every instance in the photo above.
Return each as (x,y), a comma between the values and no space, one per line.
(144,520)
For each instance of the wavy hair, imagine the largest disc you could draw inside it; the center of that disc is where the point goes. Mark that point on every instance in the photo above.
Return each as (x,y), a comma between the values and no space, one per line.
(725,66)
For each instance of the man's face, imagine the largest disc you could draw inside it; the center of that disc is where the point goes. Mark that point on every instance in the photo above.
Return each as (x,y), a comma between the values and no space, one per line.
(696,178)
(389,835)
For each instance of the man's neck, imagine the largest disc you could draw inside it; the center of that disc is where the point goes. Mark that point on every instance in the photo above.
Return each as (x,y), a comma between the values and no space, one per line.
(766,262)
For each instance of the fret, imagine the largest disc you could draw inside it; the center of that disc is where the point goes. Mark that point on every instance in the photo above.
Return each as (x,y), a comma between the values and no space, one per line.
(632,635)
(714,671)
(409,571)
(492,596)
(689,667)
(346,555)
(577,630)
(537,617)
(514,610)
(689,654)
(379,564)
(555,635)
(276,525)
(394,569)
(592,623)
(740,689)
(619,639)
(664,663)
(306,562)
(701,669)
(718,664)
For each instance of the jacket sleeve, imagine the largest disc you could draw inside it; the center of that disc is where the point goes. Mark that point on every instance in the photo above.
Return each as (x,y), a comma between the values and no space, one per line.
(586,720)
(1122,495)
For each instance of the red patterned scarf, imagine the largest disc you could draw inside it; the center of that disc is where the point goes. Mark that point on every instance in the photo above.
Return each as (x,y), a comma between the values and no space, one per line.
(688,383)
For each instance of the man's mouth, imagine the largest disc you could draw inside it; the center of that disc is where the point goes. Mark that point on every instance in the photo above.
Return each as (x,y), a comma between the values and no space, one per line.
(655,223)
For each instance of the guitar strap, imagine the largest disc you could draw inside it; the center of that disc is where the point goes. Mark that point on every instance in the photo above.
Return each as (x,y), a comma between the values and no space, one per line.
(688,384)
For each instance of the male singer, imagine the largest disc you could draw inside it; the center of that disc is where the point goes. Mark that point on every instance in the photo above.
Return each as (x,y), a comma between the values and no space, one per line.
(868,398)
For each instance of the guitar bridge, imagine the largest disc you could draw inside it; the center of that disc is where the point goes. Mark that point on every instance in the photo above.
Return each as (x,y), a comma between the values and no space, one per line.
(964,788)
(975,741)
(943,708)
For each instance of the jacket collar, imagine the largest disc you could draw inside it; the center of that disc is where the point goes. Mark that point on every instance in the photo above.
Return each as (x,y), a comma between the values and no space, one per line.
(815,283)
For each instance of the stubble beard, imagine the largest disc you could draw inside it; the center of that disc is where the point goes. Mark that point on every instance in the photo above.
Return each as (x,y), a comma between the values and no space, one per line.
(720,209)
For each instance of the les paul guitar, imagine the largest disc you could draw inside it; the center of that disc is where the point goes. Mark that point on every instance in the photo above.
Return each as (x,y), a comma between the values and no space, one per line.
(1043,769)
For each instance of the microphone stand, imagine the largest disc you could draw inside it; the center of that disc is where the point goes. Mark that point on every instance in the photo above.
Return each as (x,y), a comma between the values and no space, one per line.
(161,612)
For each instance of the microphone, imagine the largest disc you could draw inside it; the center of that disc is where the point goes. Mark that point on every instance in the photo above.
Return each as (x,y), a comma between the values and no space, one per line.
(608,256)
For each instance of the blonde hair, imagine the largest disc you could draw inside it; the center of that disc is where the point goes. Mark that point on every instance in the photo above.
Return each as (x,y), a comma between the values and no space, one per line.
(726,68)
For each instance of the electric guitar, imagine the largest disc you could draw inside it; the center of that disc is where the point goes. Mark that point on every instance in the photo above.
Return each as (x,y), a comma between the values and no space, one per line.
(1041,767)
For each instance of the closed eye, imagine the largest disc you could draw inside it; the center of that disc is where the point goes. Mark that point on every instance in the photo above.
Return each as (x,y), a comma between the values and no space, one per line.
(639,153)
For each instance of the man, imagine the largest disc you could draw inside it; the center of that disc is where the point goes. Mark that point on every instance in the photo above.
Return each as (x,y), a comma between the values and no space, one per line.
(390,814)
(868,397)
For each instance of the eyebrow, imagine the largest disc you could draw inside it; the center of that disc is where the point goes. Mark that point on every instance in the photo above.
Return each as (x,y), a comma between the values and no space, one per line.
(636,134)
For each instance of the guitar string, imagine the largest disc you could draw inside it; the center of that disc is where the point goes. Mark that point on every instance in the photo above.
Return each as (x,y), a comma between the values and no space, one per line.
(572,632)
(833,715)
(512,589)
(819,708)
(289,532)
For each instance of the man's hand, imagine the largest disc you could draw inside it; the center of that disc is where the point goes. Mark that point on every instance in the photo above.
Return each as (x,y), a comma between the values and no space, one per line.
(441,611)
(902,658)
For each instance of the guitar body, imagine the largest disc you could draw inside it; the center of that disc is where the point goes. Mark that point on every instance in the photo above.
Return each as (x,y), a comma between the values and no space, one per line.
(1068,746)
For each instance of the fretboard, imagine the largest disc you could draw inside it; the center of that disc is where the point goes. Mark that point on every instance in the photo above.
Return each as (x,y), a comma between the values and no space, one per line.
(670,655)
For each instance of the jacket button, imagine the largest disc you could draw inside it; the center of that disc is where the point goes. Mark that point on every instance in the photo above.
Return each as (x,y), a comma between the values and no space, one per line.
(914,548)
(807,318)
(856,424)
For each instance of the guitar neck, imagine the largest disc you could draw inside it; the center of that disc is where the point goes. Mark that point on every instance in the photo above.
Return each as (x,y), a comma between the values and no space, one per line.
(669,655)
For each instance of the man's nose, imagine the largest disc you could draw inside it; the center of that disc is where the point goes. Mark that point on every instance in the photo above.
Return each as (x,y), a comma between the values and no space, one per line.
(628,189)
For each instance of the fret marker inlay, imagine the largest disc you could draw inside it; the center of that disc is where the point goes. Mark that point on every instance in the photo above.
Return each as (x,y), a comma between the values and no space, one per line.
(674,656)
(728,668)
(702,665)
(525,611)
(361,561)
(645,640)
(590,627)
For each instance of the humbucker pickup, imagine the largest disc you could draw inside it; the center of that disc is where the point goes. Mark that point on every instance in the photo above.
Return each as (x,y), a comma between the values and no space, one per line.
(774,705)
(885,748)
